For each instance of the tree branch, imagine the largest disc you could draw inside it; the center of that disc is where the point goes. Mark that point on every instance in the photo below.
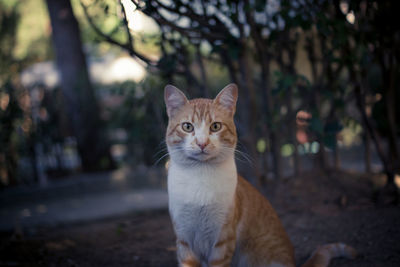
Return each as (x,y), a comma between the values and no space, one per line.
(128,46)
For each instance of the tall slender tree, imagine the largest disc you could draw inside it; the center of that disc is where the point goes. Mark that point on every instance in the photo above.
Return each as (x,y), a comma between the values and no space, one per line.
(79,96)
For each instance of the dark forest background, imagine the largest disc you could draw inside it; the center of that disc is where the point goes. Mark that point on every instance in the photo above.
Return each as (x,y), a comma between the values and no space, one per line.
(318,83)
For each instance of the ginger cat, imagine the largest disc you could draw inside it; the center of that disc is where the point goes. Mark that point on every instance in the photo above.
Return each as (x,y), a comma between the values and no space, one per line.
(218,217)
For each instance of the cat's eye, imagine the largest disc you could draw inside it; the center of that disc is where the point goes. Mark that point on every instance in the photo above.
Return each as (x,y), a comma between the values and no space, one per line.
(215,127)
(187,127)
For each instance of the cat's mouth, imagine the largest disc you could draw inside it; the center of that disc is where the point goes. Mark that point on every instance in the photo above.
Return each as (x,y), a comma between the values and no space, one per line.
(200,156)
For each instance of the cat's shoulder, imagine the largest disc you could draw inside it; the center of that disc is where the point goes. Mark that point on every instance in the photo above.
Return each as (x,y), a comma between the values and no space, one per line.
(249,195)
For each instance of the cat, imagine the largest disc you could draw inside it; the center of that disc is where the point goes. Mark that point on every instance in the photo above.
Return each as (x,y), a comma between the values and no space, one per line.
(218,217)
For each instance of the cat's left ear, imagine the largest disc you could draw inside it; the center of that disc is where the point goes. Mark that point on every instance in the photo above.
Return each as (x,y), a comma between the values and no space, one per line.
(228,97)
(174,99)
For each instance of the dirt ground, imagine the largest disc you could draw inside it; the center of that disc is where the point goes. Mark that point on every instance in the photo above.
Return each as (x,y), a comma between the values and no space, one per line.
(315,209)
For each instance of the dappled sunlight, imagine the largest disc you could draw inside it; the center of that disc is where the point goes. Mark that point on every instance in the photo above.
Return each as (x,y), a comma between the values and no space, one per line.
(110,69)
(119,152)
(397,180)
(124,69)
(309,147)
(4,100)
(344,7)
(106,70)
(379,180)
(350,17)
(42,73)
(137,21)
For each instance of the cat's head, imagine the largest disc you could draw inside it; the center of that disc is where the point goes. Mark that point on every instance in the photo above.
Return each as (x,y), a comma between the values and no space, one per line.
(201,130)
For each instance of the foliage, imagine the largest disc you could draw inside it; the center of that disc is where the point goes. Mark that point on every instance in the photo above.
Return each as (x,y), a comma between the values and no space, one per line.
(318,57)
(140,115)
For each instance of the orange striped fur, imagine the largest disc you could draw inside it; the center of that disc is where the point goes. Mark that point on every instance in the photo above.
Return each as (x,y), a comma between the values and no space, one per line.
(219,218)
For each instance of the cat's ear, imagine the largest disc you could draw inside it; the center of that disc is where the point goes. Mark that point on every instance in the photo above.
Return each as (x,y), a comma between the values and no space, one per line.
(174,99)
(228,97)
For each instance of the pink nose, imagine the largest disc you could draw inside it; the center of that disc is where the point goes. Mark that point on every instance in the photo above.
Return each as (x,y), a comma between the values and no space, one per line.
(202,145)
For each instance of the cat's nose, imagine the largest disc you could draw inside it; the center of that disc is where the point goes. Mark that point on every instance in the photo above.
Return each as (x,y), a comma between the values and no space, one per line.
(202,145)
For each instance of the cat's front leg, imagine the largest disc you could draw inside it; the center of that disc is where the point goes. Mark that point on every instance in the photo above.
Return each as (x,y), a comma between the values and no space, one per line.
(186,257)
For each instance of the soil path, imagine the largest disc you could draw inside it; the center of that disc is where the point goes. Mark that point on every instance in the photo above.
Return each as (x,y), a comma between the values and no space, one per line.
(315,209)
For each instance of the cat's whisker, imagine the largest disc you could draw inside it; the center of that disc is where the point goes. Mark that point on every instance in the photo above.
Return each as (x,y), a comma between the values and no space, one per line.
(226,151)
(241,160)
(245,156)
(242,148)
(162,143)
(163,150)
(162,147)
(162,157)
(241,156)
(175,150)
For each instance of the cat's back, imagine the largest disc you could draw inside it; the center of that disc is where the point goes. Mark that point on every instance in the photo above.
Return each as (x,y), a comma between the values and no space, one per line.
(261,235)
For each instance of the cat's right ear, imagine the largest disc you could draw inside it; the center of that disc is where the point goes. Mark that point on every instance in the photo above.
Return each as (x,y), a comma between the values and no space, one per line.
(228,97)
(174,99)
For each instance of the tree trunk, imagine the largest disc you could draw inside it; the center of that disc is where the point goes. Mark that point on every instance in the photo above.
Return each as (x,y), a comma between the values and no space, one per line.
(82,108)
(389,96)
(292,53)
(316,95)
(336,158)
(249,96)
(367,153)
(204,91)
(226,59)
(387,164)
(268,132)
(264,58)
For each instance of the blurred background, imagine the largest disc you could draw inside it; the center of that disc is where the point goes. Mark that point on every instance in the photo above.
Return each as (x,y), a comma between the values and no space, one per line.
(82,82)
(81,92)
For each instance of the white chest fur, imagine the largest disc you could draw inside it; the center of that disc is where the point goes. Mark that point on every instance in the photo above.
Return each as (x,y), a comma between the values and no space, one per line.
(199,200)
(203,184)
